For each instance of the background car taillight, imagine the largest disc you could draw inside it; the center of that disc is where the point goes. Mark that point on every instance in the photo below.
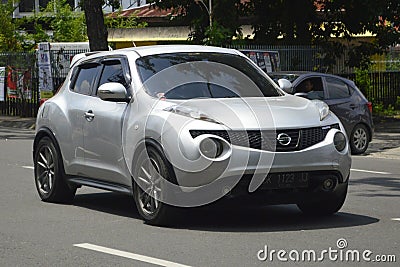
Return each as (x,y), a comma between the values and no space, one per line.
(369,105)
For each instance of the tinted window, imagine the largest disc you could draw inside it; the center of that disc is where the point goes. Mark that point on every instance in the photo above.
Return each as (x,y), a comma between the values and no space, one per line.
(337,88)
(313,87)
(112,72)
(199,90)
(84,80)
(214,81)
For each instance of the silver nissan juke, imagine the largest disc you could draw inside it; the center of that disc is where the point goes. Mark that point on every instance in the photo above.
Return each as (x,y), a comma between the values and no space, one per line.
(184,126)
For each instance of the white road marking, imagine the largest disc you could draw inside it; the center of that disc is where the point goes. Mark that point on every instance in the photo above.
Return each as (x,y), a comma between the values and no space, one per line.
(396,219)
(129,255)
(357,170)
(28,167)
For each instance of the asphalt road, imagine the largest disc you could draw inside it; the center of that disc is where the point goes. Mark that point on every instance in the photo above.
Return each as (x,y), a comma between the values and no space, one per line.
(104,229)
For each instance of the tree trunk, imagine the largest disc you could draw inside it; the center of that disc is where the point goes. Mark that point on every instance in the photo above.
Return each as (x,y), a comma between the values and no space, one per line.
(96,30)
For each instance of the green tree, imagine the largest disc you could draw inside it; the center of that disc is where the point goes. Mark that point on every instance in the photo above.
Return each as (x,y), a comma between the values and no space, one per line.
(317,21)
(118,21)
(282,21)
(10,37)
(225,16)
(347,18)
(66,24)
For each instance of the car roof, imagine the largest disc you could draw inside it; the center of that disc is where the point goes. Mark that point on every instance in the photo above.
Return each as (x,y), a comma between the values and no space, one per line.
(161,49)
(164,49)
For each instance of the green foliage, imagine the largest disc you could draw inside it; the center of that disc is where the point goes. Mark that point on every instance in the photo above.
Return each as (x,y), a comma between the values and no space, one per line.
(282,22)
(10,37)
(225,16)
(122,22)
(379,109)
(218,35)
(67,25)
(363,80)
(347,18)
(397,105)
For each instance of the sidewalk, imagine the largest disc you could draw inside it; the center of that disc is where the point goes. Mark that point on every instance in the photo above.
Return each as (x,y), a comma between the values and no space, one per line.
(17,122)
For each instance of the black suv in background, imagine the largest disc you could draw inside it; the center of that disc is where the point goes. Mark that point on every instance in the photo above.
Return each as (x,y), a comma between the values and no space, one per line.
(343,98)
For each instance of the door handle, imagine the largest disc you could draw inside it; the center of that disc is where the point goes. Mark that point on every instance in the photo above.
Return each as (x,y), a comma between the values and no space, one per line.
(353,106)
(89,116)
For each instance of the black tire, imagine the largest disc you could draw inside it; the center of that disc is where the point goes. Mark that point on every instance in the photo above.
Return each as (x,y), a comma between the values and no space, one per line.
(49,174)
(147,195)
(359,139)
(325,206)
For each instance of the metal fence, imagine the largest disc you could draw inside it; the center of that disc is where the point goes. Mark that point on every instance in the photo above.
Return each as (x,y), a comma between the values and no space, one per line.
(60,64)
(20,84)
(385,85)
(21,92)
(292,58)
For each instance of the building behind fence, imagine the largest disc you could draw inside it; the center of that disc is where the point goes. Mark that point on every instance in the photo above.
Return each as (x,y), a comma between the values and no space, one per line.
(385,75)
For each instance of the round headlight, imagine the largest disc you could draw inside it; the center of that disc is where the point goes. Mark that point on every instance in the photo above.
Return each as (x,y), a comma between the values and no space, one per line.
(211,147)
(340,141)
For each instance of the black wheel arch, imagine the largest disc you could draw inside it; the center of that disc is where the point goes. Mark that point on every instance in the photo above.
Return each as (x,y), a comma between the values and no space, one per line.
(159,148)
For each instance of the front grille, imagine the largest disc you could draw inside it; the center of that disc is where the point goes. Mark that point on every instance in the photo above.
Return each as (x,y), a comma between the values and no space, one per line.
(267,140)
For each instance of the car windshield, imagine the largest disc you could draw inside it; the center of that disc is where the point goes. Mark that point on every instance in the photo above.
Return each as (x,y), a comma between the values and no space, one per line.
(203,75)
(288,76)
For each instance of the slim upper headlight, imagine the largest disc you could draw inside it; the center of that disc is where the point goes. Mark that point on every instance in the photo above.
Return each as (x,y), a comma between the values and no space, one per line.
(191,113)
(323,108)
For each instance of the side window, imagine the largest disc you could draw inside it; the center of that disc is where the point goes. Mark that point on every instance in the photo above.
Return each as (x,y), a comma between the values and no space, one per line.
(337,89)
(112,72)
(85,77)
(312,86)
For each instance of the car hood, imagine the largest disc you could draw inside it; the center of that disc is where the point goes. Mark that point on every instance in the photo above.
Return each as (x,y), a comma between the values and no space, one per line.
(258,113)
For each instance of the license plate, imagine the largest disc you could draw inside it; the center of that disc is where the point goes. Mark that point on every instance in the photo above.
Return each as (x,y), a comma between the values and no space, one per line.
(286,180)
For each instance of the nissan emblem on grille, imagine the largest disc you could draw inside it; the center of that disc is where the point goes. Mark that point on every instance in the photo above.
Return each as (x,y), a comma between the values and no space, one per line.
(284,139)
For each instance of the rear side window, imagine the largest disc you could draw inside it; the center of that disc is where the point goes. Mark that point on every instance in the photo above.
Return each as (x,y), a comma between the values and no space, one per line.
(85,78)
(337,89)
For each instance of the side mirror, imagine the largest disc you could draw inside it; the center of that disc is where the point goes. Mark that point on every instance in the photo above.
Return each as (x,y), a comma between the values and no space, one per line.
(113,92)
(285,85)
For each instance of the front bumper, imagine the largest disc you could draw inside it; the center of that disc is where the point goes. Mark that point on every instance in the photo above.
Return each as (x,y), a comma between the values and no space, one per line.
(246,161)
(242,173)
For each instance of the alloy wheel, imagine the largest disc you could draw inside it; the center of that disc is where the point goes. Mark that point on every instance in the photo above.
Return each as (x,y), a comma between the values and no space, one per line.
(45,169)
(149,180)
(360,138)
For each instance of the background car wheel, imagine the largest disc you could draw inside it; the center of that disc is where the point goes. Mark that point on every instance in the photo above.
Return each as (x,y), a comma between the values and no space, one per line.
(49,174)
(151,169)
(359,139)
(327,206)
